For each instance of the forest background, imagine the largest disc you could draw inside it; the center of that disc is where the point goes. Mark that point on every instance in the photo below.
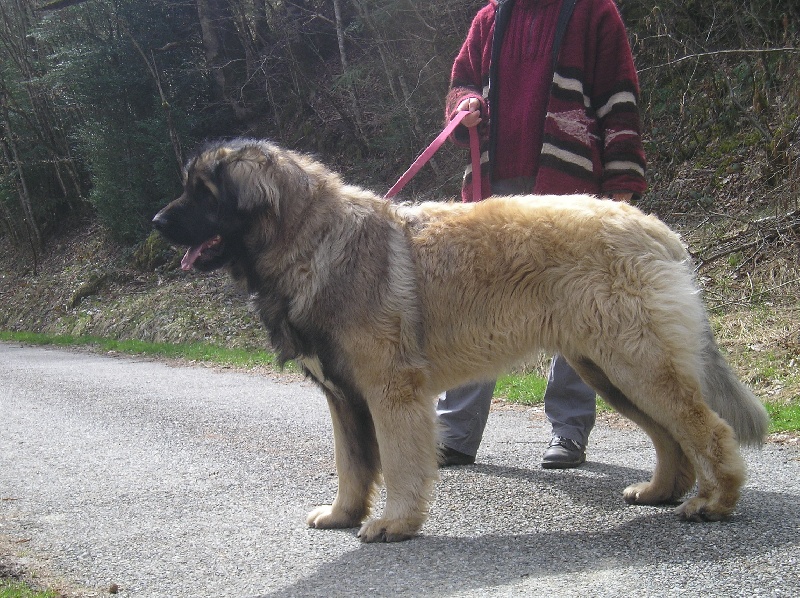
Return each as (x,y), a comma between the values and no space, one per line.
(101,101)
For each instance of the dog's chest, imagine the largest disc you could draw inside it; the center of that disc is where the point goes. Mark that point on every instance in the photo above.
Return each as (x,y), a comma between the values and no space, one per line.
(313,367)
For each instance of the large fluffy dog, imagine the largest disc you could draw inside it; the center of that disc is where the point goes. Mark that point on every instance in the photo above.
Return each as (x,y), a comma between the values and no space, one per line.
(385,306)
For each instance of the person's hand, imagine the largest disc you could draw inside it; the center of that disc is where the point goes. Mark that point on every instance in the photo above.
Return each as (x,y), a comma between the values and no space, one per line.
(624,197)
(473,106)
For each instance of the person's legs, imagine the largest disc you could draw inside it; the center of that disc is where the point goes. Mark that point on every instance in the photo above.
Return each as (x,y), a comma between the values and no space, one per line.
(462,413)
(570,406)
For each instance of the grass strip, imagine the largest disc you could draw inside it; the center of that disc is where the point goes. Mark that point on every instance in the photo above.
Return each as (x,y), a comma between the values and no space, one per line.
(784,417)
(524,389)
(191,351)
(18,589)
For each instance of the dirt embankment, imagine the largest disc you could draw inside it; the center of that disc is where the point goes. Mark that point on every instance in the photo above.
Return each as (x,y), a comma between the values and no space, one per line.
(87,285)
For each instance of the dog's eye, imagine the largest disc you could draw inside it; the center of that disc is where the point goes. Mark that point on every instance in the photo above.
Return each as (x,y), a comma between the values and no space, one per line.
(204,196)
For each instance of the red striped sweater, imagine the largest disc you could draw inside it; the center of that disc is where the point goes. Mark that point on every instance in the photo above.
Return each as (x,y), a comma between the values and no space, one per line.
(590,141)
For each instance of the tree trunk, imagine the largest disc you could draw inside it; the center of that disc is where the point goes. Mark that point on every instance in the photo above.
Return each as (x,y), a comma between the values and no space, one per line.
(380,43)
(211,45)
(337,11)
(218,33)
(22,184)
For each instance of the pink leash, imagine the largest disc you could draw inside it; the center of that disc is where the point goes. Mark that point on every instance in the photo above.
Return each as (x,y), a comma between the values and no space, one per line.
(474,147)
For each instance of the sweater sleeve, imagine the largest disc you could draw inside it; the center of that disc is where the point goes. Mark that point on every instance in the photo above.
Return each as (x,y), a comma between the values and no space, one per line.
(470,72)
(615,98)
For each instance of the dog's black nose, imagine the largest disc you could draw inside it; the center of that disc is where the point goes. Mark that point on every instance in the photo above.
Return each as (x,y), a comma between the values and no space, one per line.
(159,221)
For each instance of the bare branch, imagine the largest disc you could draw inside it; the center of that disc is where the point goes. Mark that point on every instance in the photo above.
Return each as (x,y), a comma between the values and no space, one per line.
(758,233)
(720,53)
(59,4)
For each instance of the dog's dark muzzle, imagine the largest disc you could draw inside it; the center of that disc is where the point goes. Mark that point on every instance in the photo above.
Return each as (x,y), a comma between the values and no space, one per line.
(179,226)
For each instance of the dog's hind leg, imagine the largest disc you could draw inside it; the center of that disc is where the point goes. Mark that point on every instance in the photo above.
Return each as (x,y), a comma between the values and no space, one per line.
(357,464)
(705,441)
(405,428)
(709,442)
(674,474)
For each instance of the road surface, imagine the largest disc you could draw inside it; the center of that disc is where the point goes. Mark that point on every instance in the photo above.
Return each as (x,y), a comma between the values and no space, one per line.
(178,481)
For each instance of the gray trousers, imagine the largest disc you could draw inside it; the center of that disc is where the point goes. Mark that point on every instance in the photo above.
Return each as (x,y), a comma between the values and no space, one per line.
(569,404)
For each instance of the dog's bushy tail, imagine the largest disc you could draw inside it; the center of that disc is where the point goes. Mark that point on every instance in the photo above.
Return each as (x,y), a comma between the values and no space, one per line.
(731,399)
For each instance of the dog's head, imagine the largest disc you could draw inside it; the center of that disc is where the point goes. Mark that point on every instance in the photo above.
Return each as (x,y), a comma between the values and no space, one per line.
(231,191)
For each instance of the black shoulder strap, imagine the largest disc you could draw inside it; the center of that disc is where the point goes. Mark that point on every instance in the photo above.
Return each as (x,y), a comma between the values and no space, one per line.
(567,7)
(501,18)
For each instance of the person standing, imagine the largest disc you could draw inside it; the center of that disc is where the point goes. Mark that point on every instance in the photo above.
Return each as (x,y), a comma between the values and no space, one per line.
(552,87)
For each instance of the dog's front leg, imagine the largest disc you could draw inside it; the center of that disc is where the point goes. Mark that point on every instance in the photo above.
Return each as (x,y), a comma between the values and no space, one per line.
(357,464)
(404,424)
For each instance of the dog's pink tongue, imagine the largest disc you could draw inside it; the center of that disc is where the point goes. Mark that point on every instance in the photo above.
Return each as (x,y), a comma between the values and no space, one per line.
(194,252)
(191,255)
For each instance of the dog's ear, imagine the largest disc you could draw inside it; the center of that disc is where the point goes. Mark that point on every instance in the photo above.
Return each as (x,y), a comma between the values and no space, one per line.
(247,153)
(225,177)
(248,174)
(201,182)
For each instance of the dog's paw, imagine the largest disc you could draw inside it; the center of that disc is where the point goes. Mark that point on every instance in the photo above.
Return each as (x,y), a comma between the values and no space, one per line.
(387,530)
(699,509)
(326,517)
(639,494)
(644,493)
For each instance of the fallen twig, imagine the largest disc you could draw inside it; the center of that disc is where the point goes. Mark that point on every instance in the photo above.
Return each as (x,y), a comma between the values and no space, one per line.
(758,233)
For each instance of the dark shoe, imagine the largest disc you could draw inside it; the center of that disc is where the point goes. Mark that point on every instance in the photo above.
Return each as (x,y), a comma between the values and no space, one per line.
(563,453)
(449,457)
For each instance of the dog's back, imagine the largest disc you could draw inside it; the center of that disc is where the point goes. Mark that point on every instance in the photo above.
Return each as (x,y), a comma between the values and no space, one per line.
(568,274)
(543,272)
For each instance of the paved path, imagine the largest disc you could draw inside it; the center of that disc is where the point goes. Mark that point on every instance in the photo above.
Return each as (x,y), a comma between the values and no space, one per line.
(193,481)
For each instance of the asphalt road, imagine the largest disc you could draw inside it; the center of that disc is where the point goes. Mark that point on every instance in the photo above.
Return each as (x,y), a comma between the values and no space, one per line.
(193,481)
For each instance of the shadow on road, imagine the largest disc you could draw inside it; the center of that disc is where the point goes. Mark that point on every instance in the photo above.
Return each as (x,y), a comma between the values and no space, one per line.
(593,531)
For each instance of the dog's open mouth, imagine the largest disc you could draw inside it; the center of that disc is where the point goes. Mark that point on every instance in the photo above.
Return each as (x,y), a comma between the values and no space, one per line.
(203,252)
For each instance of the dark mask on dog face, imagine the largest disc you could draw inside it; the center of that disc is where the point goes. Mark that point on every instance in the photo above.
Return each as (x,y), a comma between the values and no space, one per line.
(203,218)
